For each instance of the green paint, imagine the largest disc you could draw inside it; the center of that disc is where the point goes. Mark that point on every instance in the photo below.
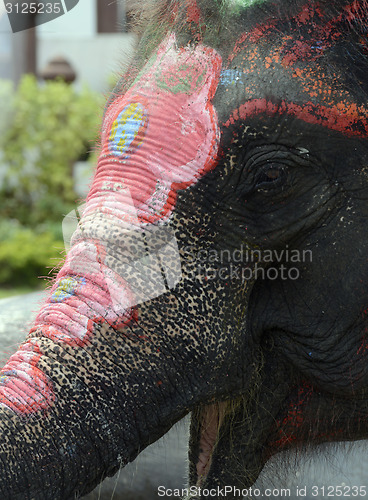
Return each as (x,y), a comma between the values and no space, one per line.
(245,3)
(185,79)
(237,6)
(145,68)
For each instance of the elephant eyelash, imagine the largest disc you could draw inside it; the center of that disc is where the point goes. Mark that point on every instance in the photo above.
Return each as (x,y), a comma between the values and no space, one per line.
(271,176)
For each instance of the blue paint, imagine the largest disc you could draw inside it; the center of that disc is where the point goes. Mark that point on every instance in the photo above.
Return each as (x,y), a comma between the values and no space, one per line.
(318,46)
(231,77)
(67,287)
(5,376)
(128,129)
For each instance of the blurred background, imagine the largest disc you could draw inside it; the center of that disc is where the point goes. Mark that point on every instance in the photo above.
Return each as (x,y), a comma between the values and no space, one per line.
(54,78)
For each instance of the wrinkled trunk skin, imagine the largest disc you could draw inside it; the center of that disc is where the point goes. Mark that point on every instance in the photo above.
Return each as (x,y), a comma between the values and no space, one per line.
(99,377)
(102,402)
(240,125)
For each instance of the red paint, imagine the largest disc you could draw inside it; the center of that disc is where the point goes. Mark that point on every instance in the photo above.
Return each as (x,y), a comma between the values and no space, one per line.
(363,348)
(193,12)
(158,138)
(26,389)
(252,37)
(297,425)
(312,18)
(340,117)
(305,15)
(287,428)
(356,11)
(174,14)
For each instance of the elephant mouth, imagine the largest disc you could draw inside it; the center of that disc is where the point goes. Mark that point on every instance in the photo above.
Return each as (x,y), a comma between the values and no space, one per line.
(210,420)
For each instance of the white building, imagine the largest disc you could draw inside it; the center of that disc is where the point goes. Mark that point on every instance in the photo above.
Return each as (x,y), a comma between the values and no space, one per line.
(92,37)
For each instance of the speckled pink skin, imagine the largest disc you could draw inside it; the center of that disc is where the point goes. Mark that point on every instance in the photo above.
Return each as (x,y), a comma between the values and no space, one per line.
(135,184)
(176,93)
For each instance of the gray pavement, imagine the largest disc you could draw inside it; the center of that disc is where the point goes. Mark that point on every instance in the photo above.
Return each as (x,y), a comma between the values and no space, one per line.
(164,463)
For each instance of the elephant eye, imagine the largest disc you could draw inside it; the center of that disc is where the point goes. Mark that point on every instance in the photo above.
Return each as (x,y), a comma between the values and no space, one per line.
(270,176)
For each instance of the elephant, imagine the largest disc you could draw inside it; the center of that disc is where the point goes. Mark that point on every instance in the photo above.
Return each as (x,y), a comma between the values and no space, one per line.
(217,266)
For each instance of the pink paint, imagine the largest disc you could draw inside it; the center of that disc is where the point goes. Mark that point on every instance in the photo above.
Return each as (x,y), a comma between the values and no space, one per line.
(24,387)
(158,138)
(182,136)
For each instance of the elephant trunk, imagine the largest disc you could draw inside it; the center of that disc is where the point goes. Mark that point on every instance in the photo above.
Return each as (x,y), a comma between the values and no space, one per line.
(99,378)
(77,401)
(77,398)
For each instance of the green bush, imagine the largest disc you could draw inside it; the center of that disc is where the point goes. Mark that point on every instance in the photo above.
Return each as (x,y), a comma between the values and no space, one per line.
(47,128)
(50,127)
(25,255)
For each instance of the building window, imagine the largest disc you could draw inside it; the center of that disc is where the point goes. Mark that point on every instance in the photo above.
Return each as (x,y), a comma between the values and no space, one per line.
(111,16)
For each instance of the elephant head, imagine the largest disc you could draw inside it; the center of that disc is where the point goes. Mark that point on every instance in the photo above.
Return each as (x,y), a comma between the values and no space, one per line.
(219,264)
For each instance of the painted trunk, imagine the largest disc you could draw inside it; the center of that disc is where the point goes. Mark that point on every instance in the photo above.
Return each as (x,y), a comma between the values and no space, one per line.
(219,265)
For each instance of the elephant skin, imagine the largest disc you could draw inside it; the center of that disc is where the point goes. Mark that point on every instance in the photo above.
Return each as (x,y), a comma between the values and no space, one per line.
(163,462)
(218,265)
